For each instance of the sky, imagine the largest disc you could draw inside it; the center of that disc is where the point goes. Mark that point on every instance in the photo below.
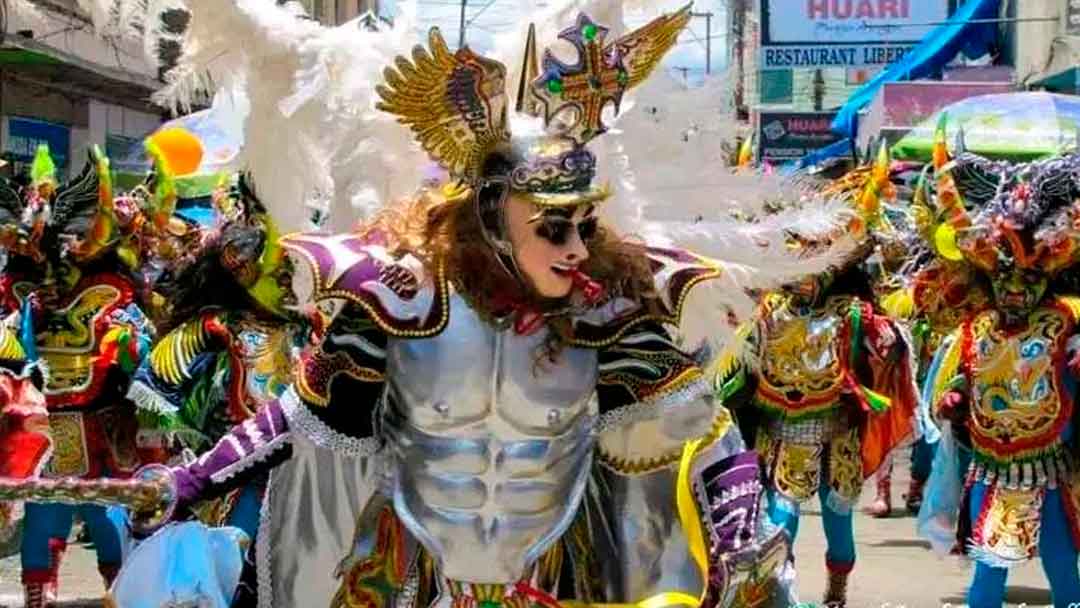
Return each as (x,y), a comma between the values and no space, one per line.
(485,18)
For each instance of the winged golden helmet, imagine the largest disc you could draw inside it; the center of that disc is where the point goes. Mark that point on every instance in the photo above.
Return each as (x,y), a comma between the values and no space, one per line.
(457,107)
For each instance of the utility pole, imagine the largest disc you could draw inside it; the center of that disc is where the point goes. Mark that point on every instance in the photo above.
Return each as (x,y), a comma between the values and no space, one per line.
(819,89)
(461,32)
(708,39)
(738,33)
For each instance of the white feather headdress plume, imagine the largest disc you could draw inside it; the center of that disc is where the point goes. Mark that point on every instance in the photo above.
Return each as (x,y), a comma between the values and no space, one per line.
(313,138)
(695,201)
(756,257)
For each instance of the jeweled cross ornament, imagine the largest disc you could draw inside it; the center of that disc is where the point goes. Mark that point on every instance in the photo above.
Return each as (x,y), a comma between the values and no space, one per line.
(597,79)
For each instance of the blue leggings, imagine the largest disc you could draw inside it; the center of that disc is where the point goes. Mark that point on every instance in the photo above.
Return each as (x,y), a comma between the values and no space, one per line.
(1056,550)
(47,521)
(839,534)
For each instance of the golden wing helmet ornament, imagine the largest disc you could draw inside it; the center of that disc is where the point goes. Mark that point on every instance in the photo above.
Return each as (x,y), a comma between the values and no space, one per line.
(455,104)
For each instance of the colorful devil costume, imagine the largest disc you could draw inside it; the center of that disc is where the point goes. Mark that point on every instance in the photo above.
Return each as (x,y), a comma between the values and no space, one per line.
(821,431)
(91,334)
(828,382)
(1006,380)
(233,349)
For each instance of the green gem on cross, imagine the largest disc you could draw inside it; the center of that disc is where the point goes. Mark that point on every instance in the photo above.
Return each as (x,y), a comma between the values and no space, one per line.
(623,77)
(555,85)
(490,604)
(589,31)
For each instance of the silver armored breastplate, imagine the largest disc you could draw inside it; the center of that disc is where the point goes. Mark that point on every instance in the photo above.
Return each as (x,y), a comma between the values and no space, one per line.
(490,447)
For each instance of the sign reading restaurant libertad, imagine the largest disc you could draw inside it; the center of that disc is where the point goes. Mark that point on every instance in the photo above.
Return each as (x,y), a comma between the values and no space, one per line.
(843,33)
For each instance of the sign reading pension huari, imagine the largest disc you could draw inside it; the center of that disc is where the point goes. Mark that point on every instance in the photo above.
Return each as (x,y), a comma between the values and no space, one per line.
(785,136)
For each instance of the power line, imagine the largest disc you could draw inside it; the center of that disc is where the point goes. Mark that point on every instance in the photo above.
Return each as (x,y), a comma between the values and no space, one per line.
(461,34)
(697,39)
(479,12)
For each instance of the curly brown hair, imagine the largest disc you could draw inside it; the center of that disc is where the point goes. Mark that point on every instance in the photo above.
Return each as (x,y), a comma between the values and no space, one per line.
(443,227)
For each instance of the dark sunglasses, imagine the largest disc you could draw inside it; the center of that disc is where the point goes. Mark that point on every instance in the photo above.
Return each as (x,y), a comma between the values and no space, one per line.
(556,230)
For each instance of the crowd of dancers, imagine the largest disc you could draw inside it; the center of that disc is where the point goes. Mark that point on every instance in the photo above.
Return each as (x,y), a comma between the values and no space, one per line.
(514,387)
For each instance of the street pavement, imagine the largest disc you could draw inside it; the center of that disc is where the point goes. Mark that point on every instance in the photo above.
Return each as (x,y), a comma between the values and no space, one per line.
(894,569)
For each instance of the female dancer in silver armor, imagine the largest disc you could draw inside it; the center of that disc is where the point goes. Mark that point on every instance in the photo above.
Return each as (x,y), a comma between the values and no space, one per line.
(493,396)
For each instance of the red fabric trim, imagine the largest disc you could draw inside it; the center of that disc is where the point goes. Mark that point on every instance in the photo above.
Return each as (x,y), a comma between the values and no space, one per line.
(881,432)
(984,511)
(967,353)
(37,577)
(839,567)
(536,595)
(238,399)
(810,403)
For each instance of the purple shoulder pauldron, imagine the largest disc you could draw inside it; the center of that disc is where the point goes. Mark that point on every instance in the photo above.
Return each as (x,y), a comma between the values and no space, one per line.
(675,273)
(402,296)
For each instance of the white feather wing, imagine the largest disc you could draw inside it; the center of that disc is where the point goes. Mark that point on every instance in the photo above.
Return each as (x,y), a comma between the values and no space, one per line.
(313,138)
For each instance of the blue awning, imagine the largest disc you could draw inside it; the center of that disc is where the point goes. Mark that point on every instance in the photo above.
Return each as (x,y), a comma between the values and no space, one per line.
(927,58)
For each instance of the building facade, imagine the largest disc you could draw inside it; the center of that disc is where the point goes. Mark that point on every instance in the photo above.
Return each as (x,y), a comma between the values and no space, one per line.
(62,85)
(336,12)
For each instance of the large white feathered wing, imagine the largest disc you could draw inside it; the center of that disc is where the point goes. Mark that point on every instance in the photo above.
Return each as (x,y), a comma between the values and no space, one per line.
(695,201)
(313,138)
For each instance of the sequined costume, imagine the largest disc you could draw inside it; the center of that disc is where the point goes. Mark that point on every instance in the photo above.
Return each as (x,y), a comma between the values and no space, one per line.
(488,507)
(1004,380)
(91,334)
(431,442)
(809,378)
(823,383)
(1019,423)
(234,354)
(934,295)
